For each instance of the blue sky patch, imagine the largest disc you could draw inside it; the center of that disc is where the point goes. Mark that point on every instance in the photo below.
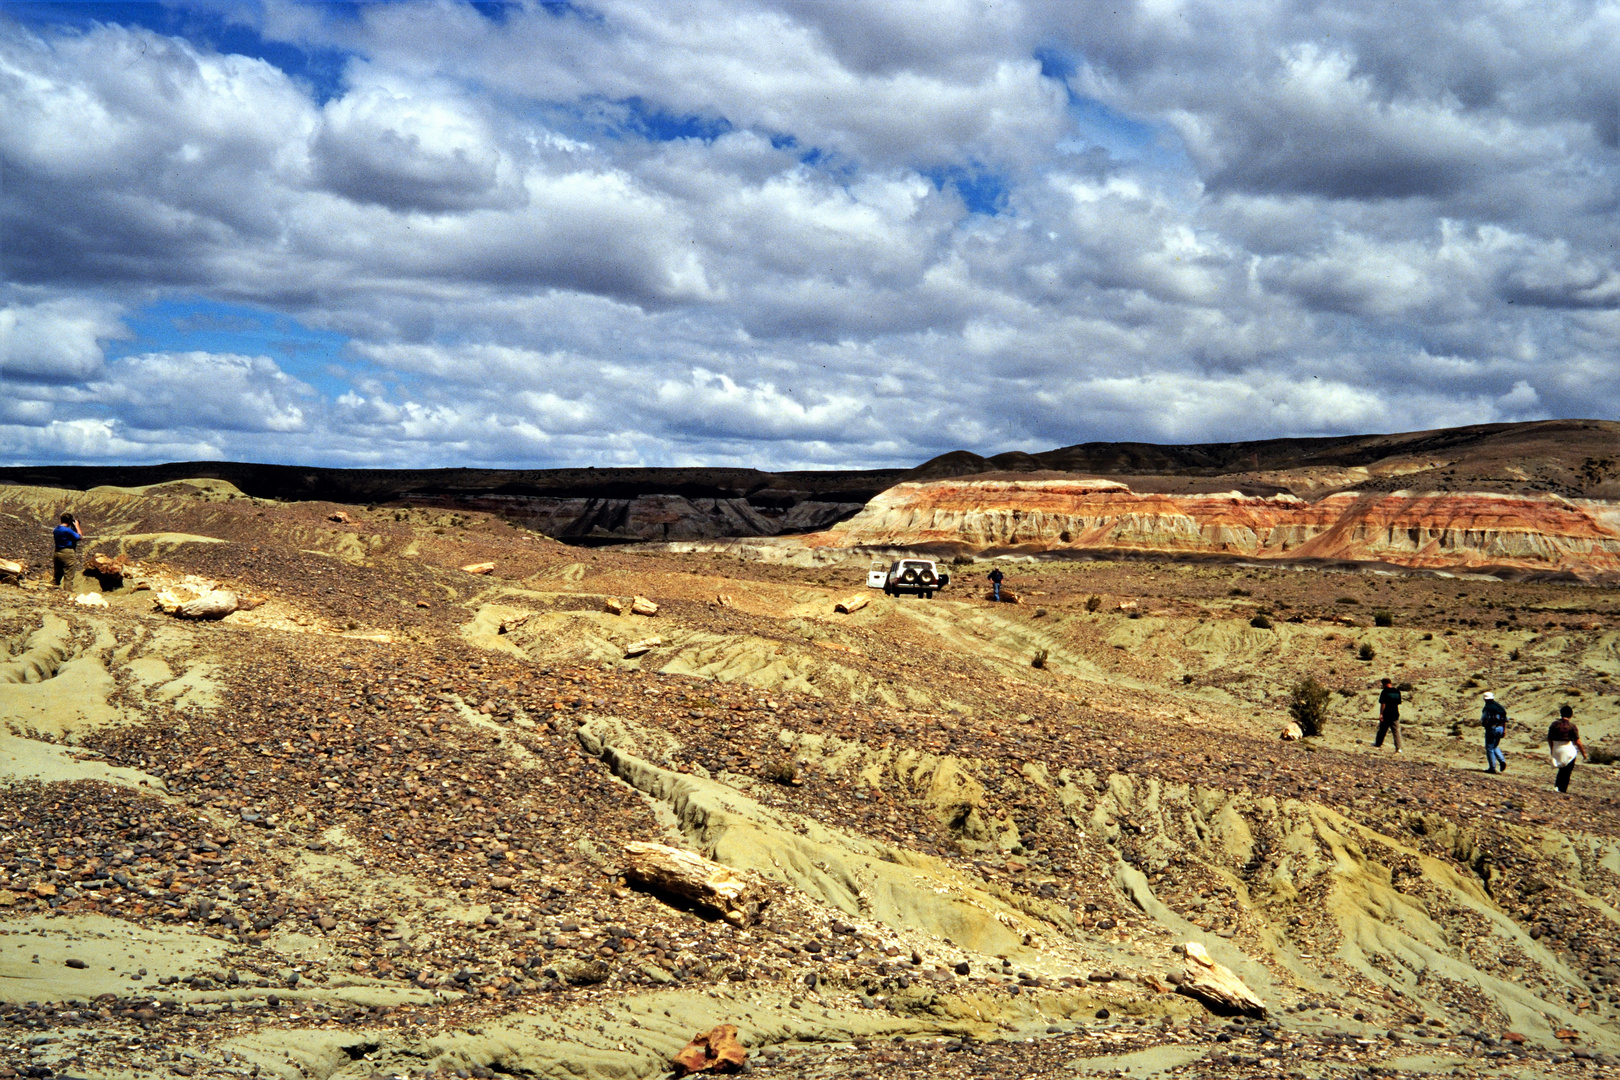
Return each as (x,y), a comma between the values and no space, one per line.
(321,69)
(191,325)
(983,192)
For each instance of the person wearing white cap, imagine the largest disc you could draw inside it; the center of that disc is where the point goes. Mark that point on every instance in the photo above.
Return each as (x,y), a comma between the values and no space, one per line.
(1493,718)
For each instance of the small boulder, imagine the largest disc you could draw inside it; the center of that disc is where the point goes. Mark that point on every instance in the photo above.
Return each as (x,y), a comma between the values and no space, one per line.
(851,604)
(339,516)
(11,572)
(613,605)
(1293,732)
(91,599)
(640,605)
(479,568)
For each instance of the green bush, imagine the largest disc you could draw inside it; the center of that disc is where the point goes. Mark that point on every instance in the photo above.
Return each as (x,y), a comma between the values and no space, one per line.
(1039,660)
(1260,622)
(1307,704)
(1093,602)
(1383,618)
(1365,652)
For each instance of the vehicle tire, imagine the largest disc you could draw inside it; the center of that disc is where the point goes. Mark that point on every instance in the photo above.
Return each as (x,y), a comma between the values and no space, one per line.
(927,577)
(908,575)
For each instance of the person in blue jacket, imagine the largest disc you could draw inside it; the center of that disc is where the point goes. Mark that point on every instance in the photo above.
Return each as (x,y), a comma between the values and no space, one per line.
(65,566)
(996,578)
(1493,718)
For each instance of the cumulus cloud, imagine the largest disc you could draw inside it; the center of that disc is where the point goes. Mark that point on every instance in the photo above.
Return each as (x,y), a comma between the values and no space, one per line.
(797,233)
(56,340)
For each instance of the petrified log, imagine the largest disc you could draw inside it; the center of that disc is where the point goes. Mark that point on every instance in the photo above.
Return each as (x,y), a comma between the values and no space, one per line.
(639,648)
(660,868)
(851,604)
(613,605)
(110,572)
(214,605)
(479,568)
(11,572)
(1216,986)
(640,605)
(716,1051)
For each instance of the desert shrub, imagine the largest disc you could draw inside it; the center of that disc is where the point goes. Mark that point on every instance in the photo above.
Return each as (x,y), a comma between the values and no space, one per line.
(1235,591)
(1186,680)
(1040,659)
(1513,654)
(961,560)
(1345,691)
(1093,602)
(1383,618)
(1599,755)
(1307,704)
(1428,637)
(1366,651)
(1347,600)
(1134,615)
(1260,622)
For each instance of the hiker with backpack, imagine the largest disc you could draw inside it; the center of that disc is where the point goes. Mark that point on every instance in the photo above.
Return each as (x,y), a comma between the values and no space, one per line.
(1493,718)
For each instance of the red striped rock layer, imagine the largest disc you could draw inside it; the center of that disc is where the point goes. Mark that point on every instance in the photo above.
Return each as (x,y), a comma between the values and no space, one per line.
(1429,530)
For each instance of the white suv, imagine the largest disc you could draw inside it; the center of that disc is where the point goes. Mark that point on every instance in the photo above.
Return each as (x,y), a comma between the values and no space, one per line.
(908,575)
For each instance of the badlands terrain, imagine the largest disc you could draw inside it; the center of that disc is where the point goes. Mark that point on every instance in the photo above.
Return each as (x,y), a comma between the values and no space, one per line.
(375,822)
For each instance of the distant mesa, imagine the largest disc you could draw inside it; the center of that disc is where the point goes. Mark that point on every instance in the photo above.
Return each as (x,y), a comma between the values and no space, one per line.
(1521,534)
(1535,498)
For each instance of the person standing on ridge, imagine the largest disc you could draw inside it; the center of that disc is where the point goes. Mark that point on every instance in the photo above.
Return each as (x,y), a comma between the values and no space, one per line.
(1493,718)
(65,565)
(996,578)
(1563,740)
(1389,715)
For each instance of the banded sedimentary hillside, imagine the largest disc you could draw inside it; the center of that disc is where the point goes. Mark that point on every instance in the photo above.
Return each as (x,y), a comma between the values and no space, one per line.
(1473,530)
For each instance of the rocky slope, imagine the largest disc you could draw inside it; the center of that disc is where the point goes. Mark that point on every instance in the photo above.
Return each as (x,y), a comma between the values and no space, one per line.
(1478,530)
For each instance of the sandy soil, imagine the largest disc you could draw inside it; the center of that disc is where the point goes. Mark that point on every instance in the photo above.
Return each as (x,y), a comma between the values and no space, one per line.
(375,825)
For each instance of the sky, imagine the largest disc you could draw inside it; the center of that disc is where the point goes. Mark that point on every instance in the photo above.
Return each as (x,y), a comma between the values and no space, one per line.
(795,233)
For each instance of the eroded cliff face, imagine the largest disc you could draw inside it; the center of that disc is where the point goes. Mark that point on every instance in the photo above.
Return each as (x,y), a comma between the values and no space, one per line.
(1429,530)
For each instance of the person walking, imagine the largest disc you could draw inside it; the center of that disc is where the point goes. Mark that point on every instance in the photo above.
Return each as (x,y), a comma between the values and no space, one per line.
(1563,740)
(65,564)
(1493,718)
(996,578)
(1389,715)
